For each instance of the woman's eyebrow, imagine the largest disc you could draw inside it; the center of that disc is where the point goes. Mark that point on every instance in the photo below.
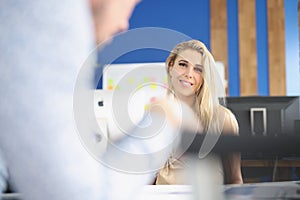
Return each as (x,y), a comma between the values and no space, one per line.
(199,65)
(183,61)
(196,65)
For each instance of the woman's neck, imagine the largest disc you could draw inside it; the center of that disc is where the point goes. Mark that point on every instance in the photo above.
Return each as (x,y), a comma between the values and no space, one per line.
(190,100)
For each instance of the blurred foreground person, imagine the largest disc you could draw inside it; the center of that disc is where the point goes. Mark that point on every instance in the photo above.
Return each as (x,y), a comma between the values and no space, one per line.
(43,45)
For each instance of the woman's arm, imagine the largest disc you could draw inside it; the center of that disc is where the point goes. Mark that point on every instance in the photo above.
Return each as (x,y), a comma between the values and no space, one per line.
(232,161)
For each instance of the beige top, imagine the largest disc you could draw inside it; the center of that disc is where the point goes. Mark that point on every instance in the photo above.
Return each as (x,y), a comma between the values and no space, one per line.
(174,171)
(179,171)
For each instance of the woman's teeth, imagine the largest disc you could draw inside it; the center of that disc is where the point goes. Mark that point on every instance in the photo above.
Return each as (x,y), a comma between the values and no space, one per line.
(185,83)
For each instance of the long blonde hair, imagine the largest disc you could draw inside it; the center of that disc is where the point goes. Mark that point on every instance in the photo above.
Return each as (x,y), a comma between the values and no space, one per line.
(208,95)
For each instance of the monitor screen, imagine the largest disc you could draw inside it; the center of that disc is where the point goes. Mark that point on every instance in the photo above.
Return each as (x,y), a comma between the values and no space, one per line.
(266,115)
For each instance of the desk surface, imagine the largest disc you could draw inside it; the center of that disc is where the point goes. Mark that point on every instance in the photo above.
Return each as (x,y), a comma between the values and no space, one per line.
(253,191)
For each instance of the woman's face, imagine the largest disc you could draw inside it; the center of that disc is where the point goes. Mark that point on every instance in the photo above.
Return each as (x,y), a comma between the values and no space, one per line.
(186,73)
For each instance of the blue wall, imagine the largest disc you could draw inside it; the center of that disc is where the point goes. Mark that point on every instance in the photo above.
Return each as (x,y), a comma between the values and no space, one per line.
(292,47)
(190,17)
(233,48)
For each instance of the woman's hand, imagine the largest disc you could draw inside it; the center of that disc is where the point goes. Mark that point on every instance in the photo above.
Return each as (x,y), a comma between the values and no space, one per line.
(179,114)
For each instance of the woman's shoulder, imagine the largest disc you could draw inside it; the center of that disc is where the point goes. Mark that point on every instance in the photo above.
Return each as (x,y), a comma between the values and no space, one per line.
(230,121)
(225,110)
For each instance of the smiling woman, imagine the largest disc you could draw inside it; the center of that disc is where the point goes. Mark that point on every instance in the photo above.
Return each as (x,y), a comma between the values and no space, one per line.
(186,75)
(193,79)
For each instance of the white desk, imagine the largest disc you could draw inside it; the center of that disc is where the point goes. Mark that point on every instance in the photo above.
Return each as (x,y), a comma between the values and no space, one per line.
(166,192)
(253,191)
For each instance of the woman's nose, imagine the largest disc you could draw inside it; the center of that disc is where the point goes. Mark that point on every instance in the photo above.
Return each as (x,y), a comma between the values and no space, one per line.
(189,72)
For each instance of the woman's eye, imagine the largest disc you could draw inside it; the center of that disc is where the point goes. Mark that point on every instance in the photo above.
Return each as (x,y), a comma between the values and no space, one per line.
(198,69)
(182,64)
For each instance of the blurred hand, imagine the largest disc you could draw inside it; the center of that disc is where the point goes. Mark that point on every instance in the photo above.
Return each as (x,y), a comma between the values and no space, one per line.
(179,114)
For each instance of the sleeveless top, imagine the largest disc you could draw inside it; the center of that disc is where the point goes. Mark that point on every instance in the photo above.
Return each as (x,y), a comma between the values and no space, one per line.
(175,169)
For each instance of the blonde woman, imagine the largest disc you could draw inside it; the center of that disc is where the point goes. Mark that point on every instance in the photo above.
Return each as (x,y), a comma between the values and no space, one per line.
(193,79)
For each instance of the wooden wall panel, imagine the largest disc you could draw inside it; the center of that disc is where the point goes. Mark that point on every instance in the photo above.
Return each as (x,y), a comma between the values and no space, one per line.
(218,32)
(276,45)
(247,47)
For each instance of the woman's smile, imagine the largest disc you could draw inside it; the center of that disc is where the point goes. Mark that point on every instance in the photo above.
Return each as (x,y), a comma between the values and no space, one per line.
(185,83)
